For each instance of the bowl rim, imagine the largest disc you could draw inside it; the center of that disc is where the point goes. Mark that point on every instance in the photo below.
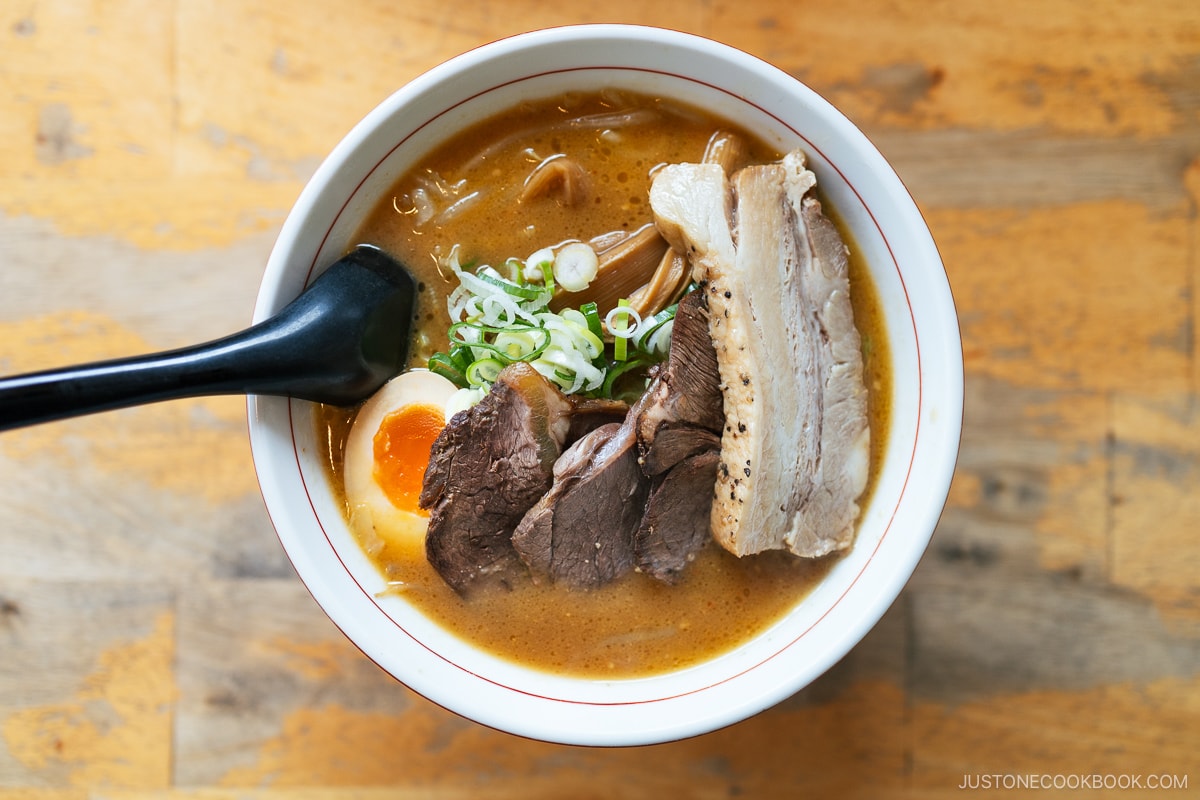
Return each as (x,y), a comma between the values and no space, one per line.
(566,728)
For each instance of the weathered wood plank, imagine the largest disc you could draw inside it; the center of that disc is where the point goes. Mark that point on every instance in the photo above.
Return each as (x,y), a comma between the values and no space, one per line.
(263,93)
(271,692)
(69,106)
(1106,68)
(261,653)
(165,491)
(1034,170)
(1120,730)
(1091,296)
(1156,504)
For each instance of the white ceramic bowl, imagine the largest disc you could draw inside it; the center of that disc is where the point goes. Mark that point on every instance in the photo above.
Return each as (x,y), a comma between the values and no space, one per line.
(926,409)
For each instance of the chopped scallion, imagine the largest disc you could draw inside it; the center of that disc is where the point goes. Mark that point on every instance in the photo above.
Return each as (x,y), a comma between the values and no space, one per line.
(498,320)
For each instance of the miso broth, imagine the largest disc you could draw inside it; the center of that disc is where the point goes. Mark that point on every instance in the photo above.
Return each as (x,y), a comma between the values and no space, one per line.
(468,192)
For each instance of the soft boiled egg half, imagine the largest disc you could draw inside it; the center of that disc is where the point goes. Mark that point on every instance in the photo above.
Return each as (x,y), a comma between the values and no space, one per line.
(386,454)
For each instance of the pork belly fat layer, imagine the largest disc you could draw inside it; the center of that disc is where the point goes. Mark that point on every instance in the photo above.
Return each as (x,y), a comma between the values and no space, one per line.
(793,450)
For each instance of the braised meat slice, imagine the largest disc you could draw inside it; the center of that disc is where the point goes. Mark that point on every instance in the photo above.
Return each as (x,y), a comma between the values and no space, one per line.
(581,532)
(688,389)
(672,443)
(589,413)
(692,369)
(675,525)
(794,452)
(488,466)
(679,421)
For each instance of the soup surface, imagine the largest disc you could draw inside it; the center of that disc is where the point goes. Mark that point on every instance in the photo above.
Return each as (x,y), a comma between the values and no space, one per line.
(469,192)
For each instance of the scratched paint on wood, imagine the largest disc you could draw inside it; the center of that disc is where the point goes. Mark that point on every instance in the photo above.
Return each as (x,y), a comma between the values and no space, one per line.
(116,729)
(1102,68)
(1058,298)
(330,746)
(1156,513)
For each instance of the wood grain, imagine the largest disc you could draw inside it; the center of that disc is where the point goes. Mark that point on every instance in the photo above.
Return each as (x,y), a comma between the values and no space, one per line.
(156,643)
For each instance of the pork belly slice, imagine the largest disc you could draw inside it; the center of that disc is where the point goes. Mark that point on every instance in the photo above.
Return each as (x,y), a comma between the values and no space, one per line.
(490,465)
(581,532)
(794,448)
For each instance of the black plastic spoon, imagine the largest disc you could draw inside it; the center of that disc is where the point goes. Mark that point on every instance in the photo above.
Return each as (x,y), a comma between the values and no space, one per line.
(341,339)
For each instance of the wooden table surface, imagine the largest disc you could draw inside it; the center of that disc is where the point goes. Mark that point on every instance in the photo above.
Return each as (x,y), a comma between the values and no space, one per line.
(154,640)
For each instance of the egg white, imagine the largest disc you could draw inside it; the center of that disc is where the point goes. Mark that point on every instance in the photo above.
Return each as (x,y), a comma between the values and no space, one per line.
(374,518)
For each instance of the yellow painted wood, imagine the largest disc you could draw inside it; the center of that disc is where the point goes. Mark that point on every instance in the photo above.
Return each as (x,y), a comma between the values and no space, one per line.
(154,641)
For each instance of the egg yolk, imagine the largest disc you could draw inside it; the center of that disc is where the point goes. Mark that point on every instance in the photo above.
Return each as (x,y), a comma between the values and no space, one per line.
(402,446)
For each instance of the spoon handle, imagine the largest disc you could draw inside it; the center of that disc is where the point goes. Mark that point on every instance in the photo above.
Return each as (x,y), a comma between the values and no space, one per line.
(337,342)
(239,363)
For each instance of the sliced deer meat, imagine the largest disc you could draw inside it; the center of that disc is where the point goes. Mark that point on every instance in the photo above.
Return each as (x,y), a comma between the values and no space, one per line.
(794,448)
(692,369)
(672,443)
(581,532)
(675,525)
(589,413)
(682,408)
(487,468)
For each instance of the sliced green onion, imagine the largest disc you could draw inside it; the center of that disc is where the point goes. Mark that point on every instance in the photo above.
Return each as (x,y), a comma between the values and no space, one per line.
(516,345)
(459,357)
(498,320)
(484,371)
(443,364)
(617,370)
(463,399)
(542,261)
(644,339)
(618,323)
(591,313)
(575,266)
(575,326)
(525,292)
(472,336)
